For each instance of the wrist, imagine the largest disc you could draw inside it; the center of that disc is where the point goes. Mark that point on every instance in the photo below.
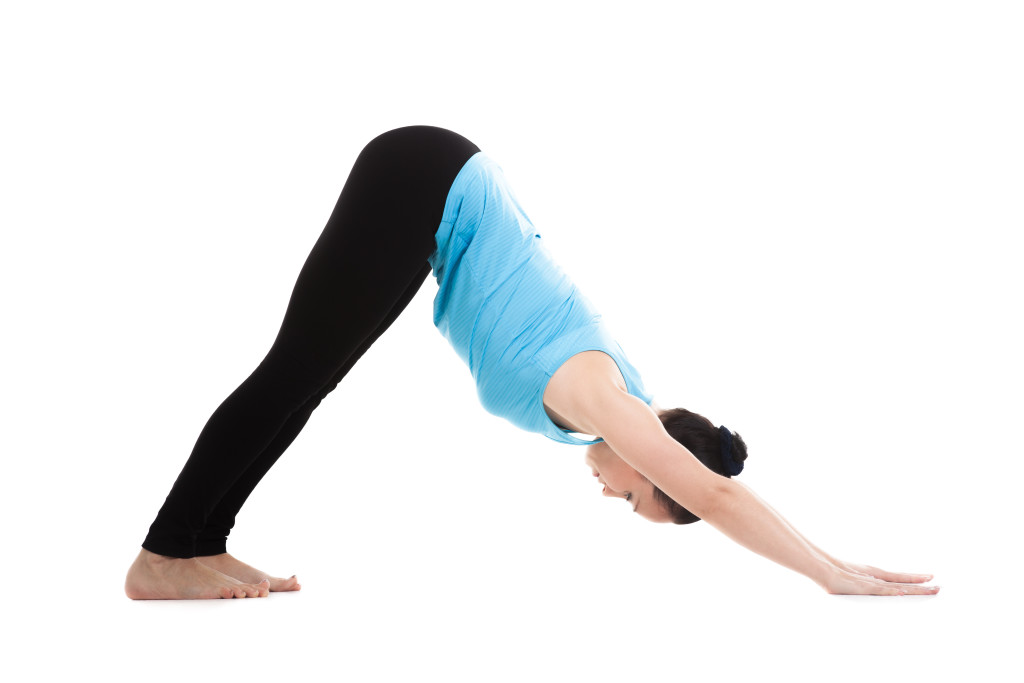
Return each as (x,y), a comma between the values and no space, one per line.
(825,572)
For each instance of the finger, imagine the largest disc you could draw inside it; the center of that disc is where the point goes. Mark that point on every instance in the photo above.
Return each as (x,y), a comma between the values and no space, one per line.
(860,571)
(898,577)
(878,587)
(858,584)
(873,587)
(881,587)
(916,589)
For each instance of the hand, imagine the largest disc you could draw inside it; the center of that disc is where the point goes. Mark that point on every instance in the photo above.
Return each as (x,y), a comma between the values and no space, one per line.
(847,578)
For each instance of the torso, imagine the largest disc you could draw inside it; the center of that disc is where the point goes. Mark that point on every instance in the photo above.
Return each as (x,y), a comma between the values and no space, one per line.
(513,315)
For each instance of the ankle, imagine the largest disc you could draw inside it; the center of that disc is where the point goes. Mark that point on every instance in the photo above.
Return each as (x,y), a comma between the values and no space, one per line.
(211,556)
(211,546)
(153,559)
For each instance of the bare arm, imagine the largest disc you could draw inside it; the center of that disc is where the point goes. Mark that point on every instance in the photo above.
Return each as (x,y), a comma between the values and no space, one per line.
(634,432)
(861,569)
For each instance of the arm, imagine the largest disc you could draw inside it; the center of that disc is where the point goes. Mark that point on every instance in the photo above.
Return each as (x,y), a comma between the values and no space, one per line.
(860,569)
(635,433)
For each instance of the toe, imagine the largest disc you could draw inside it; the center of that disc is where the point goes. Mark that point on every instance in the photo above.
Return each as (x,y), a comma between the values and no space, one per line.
(289,584)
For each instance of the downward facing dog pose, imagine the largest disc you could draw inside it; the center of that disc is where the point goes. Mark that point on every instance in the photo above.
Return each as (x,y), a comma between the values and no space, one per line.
(421,199)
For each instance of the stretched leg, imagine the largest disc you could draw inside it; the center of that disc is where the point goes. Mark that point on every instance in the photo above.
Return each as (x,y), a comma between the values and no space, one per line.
(366,265)
(211,546)
(213,539)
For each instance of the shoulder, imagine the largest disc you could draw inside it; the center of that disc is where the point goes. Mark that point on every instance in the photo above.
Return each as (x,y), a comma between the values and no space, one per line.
(586,385)
(584,372)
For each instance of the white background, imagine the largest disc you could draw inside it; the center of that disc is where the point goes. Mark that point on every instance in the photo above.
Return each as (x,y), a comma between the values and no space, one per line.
(799,218)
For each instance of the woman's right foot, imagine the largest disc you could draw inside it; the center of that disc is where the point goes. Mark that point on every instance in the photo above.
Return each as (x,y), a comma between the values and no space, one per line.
(157,577)
(236,569)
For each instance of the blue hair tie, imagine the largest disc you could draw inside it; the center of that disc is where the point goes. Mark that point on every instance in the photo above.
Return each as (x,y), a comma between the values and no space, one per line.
(731,466)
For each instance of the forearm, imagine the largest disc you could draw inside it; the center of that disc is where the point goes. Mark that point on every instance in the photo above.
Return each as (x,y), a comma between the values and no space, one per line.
(738,513)
(815,548)
(634,432)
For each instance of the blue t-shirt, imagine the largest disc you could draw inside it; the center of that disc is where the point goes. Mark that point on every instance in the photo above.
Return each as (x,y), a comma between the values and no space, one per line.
(506,307)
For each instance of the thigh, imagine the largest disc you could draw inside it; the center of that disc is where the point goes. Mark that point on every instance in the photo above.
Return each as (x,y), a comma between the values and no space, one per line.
(374,248)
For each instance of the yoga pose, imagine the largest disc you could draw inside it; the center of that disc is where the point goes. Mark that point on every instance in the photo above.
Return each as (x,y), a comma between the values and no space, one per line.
(421,199)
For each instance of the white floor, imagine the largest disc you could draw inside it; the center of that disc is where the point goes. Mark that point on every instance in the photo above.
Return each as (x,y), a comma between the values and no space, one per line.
(514,567)
(799,219)
(471,615)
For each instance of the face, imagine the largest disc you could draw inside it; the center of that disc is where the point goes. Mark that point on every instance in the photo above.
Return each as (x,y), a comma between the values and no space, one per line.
(622,481)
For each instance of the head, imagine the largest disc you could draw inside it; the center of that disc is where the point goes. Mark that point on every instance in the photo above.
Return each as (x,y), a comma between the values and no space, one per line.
(697,433)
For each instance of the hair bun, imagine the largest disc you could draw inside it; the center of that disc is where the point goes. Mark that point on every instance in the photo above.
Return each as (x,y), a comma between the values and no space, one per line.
(733,451)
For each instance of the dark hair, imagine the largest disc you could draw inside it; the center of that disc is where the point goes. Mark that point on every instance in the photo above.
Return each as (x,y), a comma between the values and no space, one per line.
(702,438)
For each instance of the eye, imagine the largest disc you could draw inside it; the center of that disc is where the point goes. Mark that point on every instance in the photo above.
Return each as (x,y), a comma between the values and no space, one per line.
(629,496)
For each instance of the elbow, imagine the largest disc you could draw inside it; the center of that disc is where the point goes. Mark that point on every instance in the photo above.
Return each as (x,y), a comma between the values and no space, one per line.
(714,499)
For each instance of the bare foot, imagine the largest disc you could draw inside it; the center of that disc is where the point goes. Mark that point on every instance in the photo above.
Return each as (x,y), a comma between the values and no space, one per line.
(157,577)
(226,564)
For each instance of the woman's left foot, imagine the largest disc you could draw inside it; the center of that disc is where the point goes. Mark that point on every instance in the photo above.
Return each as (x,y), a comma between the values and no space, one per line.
(236,569)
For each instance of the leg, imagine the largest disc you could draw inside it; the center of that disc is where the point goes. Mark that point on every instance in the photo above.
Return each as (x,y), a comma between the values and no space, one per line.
(213,539)
(211,545)
(366,265)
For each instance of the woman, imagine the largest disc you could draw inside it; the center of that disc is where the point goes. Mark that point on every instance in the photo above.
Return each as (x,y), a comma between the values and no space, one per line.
(422,199)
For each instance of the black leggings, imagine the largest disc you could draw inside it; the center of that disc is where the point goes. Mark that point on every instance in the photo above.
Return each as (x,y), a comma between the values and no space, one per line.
(362,272)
